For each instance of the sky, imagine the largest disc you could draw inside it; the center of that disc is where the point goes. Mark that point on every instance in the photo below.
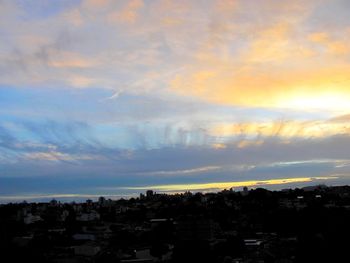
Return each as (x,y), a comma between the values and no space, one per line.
(103,97)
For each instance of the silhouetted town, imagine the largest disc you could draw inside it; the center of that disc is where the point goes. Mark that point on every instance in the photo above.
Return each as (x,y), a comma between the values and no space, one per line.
(293,225)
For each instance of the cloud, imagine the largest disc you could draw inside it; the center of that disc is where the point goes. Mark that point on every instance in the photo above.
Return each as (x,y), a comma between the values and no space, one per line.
(47,141)
(180,167)
(174,92)
(335,46)
(282,129)
(341,119)
(240,54)
(58,156)
(128,14)
(185,172)
(70,60)
(222,83)
(226,185)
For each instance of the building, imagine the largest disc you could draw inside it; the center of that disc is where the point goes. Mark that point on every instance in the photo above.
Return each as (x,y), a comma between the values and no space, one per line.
(31,219)
(85,217)
(195,229)
(149,194)
(88,250)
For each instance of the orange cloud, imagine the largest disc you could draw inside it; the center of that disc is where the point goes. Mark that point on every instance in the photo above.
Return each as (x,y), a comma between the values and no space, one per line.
(333,45)
(70,60)
(305,87)
(278,65)
(93,4)
(319,37)
(339,47)
(128,14)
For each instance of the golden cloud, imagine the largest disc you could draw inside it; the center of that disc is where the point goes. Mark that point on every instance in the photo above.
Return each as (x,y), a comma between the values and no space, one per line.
(254,132)
(297,88)
(228,185)
(276,66)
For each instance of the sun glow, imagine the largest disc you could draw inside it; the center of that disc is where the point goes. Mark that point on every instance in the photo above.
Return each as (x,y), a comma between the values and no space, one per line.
(326,101)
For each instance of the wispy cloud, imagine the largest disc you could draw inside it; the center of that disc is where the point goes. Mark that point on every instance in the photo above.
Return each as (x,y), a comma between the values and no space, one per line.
(186,171)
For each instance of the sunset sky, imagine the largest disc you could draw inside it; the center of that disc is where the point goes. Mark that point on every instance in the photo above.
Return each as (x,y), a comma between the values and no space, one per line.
(113,97)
